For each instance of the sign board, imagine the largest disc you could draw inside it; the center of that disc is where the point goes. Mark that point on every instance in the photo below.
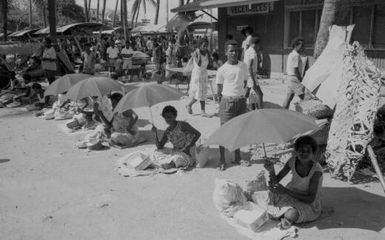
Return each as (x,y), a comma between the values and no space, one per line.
(240,28)
(259,8)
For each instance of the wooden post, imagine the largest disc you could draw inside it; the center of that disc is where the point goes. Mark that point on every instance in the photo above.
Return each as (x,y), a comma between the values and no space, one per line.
(373,159)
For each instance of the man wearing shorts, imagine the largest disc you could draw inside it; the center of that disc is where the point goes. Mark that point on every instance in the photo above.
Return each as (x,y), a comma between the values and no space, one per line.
(112,53)
(231,80)
(126,54)
(294,70)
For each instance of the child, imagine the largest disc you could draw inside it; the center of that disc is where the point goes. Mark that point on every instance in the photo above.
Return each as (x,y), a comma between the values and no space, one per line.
(182,136)
(300,200)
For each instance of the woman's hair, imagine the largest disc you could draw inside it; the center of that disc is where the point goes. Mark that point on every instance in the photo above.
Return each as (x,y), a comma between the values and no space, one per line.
(308,141)
(36,86)
(297,41)
(116,97)
(169,109)
(215,56)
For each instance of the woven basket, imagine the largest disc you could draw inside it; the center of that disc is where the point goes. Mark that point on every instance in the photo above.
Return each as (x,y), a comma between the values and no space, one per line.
(314,108)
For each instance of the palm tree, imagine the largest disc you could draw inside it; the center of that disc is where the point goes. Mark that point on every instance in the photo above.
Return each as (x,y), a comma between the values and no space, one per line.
(4,11)
(85,10)
(30,13)
(328,18)
(157,12)
(52,19)
(97,11)
(116,10)
(104,10)
(136,7)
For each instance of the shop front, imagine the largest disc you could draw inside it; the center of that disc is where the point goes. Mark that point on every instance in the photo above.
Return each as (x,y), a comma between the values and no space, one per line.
(278,22)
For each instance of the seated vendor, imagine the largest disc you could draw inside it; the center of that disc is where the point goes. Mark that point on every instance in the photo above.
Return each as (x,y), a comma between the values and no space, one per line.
(120,128)
(299,201)
(181,135)
(33,95)
(33,72)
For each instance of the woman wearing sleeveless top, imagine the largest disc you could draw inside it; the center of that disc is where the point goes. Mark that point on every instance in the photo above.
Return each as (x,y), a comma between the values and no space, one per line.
(300,200)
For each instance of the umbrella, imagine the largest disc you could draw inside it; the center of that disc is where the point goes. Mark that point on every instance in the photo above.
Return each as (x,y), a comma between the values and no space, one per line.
(147,96)
(64,83)
(93,87)
(262,126)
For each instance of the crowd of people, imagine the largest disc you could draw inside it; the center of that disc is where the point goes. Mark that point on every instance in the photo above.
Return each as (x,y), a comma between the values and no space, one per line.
(238,91)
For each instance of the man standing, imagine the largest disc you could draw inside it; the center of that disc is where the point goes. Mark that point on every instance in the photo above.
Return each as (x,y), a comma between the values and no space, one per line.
(231,80)
(112,55)
(294,71)
(49,61)
(253,90)
(126,54)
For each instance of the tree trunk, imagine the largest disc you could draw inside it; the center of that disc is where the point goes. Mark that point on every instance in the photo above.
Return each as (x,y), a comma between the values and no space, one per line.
(85,10)
(124,19)
(115,12)
(4,11)
(181,3)
(137,15)
(52,20)
(104,10)
(97,11)
(328,18)
(44,15)
(30,13)
(157,12)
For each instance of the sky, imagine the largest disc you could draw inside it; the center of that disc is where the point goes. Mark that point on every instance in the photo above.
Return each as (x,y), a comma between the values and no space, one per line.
(150,10)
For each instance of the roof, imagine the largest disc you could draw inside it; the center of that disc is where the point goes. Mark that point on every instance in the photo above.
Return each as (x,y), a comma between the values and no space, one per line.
(90,26)
(207,4)
(22,33)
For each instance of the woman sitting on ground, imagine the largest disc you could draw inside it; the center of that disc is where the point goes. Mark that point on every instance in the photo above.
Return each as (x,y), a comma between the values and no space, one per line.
(181,135)
(120,127)
(299,201)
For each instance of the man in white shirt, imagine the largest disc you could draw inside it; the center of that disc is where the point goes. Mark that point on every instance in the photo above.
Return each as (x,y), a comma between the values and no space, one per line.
(126,54)
(112,56)
(149,44)
(253,90)
(231,80)
(294,73)
(247,32)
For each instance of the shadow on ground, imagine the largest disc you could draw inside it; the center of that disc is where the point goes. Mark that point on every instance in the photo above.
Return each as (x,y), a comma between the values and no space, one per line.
(4,160)
(350,208)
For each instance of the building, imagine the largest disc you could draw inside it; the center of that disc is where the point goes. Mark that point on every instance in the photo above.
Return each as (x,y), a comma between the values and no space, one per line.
(278,22)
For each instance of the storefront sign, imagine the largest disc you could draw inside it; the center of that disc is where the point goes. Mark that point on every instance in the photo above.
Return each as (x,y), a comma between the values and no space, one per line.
(251,9)
(241,27)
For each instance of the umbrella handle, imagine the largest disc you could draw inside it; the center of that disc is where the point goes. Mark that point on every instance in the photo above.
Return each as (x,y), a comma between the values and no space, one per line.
(152,118)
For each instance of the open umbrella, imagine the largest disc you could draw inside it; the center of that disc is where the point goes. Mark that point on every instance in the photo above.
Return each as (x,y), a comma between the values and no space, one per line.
(93,87)
(262,126)
(64,83)
(147,96)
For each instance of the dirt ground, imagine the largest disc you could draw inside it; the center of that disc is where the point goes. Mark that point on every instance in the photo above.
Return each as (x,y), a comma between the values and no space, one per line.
(49,189)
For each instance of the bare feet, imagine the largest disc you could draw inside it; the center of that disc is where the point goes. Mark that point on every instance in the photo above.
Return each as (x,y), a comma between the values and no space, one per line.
(222,167)
(284,224)
(189,110)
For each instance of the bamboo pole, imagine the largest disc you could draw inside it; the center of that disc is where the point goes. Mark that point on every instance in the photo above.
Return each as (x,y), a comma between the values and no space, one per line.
(374,161)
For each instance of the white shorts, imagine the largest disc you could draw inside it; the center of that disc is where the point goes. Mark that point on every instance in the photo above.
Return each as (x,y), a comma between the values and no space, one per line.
(127,64)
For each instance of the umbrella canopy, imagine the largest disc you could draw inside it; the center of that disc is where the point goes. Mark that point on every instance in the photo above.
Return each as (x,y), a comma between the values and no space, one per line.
(93,87)
(147,96)
(64,83)
(262,126)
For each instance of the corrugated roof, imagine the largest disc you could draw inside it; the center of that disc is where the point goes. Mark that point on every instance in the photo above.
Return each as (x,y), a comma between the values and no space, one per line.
(206,4)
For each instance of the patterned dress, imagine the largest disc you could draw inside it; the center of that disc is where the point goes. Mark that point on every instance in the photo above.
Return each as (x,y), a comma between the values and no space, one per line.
(179,139)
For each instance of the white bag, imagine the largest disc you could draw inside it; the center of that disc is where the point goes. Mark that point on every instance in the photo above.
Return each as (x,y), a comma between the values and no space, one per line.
(228,197)
(202,155)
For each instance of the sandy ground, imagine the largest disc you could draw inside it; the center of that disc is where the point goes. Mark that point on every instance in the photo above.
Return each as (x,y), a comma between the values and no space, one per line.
(51,190)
